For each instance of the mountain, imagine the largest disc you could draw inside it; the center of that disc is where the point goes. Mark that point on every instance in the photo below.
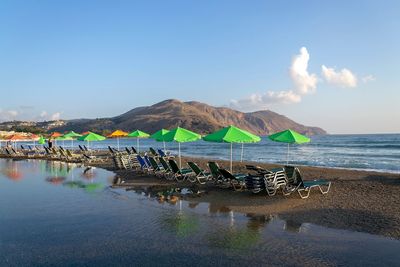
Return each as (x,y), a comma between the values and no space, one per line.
(196,116)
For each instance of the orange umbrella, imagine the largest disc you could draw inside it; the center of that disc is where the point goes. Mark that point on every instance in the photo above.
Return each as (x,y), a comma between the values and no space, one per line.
(55,135)
(117,134)
(34,138)
(16,137)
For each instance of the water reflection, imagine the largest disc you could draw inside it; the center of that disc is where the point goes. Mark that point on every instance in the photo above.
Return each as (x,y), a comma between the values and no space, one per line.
(292,226)
(55,180)
(257,222)
(230,234)
(89,173)
(56,168)
(234,238)
(61,173)
(9,168)
(90,187)
(179,224)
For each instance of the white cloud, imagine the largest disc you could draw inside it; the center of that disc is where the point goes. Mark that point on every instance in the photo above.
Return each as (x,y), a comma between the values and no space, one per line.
(304,82)
(263,101)
(343,78)
(55,116)
(43,114)
(12,113)
(8,115)
(368,78)
(27,113)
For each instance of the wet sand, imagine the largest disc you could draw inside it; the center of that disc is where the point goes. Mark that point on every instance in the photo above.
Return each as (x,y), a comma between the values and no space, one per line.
(361,201)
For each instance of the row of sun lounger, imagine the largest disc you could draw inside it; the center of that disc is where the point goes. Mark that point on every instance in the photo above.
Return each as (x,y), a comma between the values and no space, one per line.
(286,180)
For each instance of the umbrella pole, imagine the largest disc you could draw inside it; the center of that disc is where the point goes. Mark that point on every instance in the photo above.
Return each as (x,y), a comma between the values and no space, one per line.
(118,143)
(179,151)
(231,156)
(241,154)
(287,158)
(164,147)
(137,144)
(72,143)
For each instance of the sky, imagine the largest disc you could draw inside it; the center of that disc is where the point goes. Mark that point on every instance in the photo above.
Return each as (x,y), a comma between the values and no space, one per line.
(332,64)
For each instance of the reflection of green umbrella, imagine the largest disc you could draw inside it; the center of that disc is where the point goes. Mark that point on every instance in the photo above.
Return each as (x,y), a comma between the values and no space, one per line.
(289,137)
(180,224)
(93,187)
(138,134)
(90,188)
(90,137)
(180,135)
(74,184)
(235,238)
(159,136)
(232,134)
(42,141)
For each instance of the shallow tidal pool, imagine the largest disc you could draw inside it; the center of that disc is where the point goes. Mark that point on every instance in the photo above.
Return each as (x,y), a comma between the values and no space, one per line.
(54,213)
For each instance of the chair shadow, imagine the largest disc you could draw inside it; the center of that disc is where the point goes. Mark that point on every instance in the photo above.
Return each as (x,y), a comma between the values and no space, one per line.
(391,180)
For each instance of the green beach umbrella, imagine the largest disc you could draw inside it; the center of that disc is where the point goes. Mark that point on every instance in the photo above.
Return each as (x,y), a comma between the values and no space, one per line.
(158,136)
(180,135)
(289,137)
(138,134)
(90,137)
(42,141)
(232,134)
(72,136)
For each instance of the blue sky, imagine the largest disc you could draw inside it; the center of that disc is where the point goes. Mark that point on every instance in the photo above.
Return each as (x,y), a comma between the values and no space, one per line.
(74,59)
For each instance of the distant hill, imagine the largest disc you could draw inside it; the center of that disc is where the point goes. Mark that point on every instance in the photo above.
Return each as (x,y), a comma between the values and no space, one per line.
(196,116)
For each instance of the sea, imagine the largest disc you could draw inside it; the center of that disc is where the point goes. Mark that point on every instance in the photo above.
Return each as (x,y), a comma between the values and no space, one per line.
(374,152)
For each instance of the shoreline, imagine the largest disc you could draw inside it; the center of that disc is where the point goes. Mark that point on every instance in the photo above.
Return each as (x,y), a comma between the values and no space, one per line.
(300,165)
(359,200)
